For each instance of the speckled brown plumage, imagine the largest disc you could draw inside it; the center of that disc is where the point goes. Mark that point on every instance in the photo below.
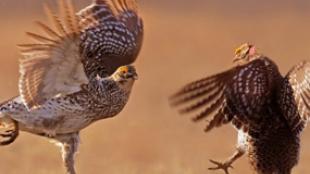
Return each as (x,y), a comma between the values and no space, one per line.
(76,73)
(114,39)
(269,110)
(273,148)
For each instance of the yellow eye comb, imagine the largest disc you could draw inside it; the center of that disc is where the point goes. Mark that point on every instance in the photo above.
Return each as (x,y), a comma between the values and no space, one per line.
(123,69)
(243,48)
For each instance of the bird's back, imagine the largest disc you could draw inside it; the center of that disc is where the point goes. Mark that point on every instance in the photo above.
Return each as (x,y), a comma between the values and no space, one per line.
(252,89)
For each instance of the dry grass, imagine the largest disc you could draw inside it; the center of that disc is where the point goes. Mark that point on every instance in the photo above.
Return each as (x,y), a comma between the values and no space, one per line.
(149,137)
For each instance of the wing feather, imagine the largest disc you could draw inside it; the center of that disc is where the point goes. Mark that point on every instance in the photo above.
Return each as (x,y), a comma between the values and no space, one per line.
(52,65)
(40,38)
(48,30)
(215,121)
(102,11)
(55,20)
(294,97)
(206,96)
(212,97)
(205,82)
(210,109)
(201,103)
(195,94)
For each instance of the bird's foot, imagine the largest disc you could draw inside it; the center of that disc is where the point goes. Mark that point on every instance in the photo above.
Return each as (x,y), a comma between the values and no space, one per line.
(8,132)
(8,137)
(219,165)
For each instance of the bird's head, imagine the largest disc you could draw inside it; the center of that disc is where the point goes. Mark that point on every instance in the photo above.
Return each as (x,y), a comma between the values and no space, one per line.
(125,76)
(245,52)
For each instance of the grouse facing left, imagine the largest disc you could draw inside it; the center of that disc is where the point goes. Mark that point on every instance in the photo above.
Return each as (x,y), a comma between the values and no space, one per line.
(75,74)
(269,110)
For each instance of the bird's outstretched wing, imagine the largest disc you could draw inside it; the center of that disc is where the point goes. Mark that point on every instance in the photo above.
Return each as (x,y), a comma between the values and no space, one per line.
(207,96)
(112,34)
(51,65)
(237,95)
(105,11)
(294,98)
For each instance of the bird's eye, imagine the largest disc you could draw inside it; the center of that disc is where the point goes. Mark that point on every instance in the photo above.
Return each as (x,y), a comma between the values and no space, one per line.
(237,52)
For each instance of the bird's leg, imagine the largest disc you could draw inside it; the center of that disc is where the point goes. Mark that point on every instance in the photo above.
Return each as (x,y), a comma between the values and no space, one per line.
(228,163)
(69,144)
(241,149)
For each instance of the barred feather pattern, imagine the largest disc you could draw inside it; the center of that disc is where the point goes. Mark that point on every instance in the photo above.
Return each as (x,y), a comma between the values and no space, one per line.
(271,109)
(273,147)
(78,47)
(51,64)
(71,113)
(243,91)
(295,96)
(112,35)
(75,73)
(253,89)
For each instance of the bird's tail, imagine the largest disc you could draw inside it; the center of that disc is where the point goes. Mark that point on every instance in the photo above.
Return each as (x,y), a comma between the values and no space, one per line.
(9,128)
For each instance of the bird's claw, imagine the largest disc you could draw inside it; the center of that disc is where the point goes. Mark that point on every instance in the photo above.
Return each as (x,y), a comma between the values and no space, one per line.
(5,135)
(8,136)
(219,165)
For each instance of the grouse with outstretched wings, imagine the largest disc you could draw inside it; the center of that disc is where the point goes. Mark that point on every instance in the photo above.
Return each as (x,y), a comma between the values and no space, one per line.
(269,110)
(76,73)
(244,89)
(103,37)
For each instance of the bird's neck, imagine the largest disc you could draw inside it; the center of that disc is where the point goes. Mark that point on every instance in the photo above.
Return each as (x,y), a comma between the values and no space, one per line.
(125,85)
(249,58)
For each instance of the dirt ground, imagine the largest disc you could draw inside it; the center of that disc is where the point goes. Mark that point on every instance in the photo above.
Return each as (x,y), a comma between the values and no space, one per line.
(184,41)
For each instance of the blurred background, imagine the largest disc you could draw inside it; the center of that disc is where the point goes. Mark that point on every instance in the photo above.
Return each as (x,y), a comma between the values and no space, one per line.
(184,40)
